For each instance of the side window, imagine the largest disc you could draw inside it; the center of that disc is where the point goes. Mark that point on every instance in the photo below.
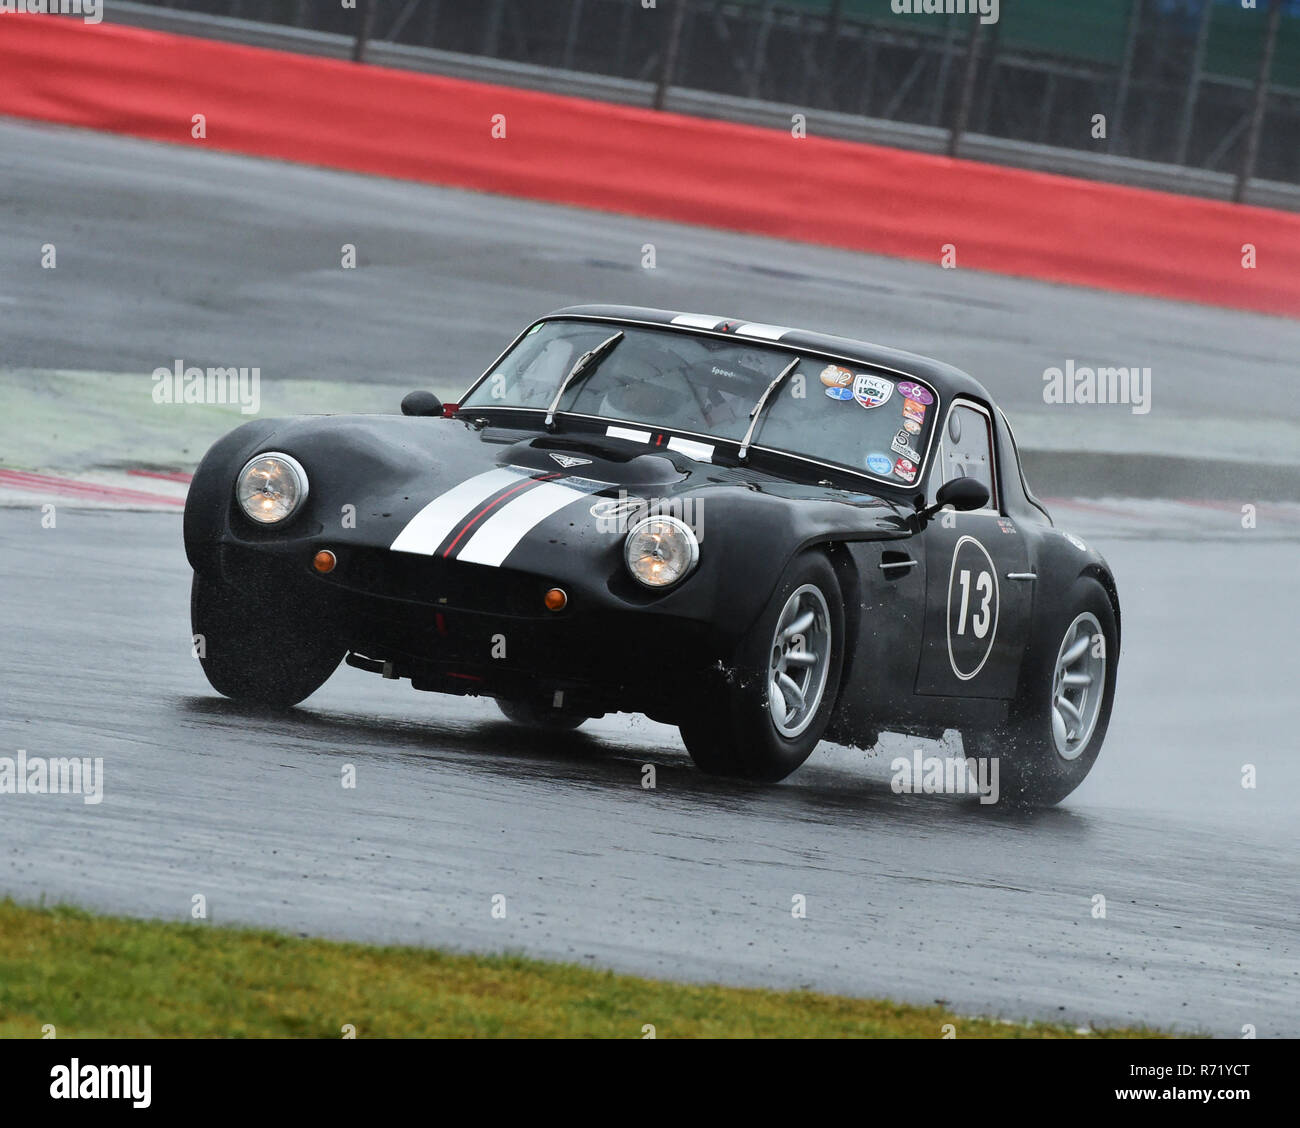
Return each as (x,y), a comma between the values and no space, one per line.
(965,450)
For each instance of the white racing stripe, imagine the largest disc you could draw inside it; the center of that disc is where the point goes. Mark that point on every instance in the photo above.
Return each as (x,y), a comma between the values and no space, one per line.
(766,332)
(430,527)
(497,537)
(701,452)
(698,320)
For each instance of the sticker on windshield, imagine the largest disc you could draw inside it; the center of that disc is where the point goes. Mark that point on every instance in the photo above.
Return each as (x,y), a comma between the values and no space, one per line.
(902,444)
(911,426)
(872,391)
(913,411)
(905,469)
(916,392)
(840,393)
(833,376)
(880,464)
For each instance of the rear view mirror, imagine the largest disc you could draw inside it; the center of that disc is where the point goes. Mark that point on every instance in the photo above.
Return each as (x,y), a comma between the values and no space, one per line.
(963,494)
(421,403)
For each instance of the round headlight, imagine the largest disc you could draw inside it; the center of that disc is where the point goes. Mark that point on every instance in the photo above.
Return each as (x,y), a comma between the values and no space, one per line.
(660,551)
(271,487)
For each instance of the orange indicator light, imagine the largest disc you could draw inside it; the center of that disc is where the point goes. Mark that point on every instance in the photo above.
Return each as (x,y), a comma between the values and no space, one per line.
(556,600)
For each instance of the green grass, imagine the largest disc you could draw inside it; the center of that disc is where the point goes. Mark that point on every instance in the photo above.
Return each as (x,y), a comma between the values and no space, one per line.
(93,976)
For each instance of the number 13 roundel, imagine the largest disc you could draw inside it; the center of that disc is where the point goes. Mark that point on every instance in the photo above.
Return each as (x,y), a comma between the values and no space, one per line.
(972,608)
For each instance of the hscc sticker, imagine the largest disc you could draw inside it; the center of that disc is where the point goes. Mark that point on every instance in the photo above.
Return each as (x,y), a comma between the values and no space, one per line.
(872,391)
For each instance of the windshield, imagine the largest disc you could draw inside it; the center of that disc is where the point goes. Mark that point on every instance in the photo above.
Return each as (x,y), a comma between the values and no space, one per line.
(849,414)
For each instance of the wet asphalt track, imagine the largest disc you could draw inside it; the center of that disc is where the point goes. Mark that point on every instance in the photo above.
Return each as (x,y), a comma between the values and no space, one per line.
(915,897)
(919,898)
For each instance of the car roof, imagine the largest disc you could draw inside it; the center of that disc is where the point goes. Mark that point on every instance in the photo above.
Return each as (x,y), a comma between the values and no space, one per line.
(943,377)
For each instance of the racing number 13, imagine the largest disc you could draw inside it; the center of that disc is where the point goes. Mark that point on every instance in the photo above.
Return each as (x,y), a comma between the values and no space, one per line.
(984,590)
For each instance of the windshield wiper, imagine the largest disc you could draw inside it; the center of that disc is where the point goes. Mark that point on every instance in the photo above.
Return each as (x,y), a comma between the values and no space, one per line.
(757,410)
(586,362)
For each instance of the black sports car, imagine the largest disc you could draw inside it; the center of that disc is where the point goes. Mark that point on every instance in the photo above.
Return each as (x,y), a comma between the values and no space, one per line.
(764,536)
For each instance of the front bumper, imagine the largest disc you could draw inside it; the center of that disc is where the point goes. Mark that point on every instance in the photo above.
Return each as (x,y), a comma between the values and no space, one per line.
(462,628)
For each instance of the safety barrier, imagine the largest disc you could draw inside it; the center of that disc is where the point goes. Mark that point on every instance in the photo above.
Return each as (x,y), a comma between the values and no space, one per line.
(634,161)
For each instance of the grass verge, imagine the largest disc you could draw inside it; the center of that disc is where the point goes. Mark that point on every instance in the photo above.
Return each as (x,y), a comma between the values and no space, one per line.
(95,976)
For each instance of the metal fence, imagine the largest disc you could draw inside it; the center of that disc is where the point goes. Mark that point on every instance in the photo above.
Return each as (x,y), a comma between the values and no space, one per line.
(1204,83)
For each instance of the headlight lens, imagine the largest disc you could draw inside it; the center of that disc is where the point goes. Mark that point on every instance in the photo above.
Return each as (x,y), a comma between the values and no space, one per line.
(271,487)
(660,551)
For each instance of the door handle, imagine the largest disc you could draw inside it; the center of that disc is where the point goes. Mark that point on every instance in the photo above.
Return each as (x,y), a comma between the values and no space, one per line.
(1022,575)
(891,565)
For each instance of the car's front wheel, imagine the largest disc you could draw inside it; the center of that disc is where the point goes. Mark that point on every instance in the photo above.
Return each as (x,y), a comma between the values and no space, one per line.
(1055,729)
(253,649)
(766,713)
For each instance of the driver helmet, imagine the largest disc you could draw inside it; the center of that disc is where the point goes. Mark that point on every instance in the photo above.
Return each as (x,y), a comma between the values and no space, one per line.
(637,389)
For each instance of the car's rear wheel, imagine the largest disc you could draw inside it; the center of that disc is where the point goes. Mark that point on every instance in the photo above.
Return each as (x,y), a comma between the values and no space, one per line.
(1056,727)
(256,650)
(527,713)
(775,699)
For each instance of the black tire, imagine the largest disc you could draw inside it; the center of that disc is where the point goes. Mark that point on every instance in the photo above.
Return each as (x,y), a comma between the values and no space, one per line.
(530,715)
(733,732)
(260,654)
(1031,769)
